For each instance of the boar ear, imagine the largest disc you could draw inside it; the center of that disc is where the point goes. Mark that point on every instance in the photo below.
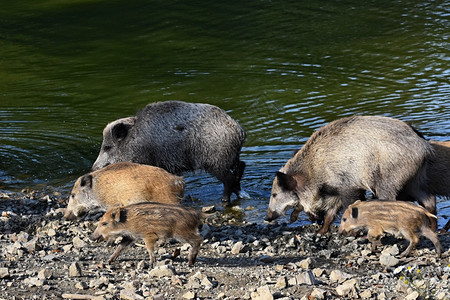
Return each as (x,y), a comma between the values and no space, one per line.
(115,214)
(354,212)
(120,130)
(86,180)
(286,181)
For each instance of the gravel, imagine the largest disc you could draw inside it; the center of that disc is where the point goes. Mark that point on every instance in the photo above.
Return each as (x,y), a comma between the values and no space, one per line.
(45,257)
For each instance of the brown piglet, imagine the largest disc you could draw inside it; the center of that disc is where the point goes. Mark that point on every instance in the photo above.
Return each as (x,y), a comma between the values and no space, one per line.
(150,221)
(395,217)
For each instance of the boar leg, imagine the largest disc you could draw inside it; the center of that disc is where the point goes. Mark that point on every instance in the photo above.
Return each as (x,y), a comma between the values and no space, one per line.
(445,228)
(432,236)
(329,218)
(195,242)
(374,236)
(123,244)
(238,171)
(413,240)
(294,215)
(150,241)
(227,179)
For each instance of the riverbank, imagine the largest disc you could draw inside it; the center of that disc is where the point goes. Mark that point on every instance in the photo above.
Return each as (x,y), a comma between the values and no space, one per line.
(45,257)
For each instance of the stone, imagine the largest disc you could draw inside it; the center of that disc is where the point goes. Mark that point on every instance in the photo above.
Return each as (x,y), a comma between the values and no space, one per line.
(130,295)
(162,271)
(78,242)
(393,250)
(206,283)
(51,232)
(208,209)
(281,283)
(81,285)
(306,278)
(348,288)
(367,294)
(4,273)
(305,264)
(318,272)
(318,294)
(189,295)
(99,282)
(75,270)
(262,293)
(45,274)
(238,247)
(34,281)
(388,260)
(413,296)
(339,276)
(31,245)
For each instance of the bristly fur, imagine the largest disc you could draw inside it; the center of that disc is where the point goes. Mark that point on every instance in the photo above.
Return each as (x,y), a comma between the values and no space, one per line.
(347,157)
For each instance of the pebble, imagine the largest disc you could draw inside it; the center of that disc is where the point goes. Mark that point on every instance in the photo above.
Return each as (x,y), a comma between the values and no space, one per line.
(262,293)
(306,278)
(318,293)
(305,264)
(238,247)
(99,282)
(78,242)
(348,288)
(189,295)
(281,283)
(388,260)
(339,276)
(45,274)
(75,270)
(130,295)
(162,271)
(4,273)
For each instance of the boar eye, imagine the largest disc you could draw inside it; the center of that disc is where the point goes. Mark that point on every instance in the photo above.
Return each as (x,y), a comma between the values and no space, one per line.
(107,148)
(72,195)
(274,195)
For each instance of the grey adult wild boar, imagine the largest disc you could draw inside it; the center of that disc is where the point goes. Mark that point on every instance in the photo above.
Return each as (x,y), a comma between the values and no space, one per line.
(178,137)
(122,184)
(346,158)
(151,222)
(399,218)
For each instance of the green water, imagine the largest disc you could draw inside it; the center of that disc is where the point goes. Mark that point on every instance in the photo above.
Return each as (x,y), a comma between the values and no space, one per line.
(281,68)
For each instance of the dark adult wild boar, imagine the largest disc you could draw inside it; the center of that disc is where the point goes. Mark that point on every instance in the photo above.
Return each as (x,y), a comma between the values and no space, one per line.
(399,218)
(346,158)
(151,222)
(178,137)
(122,184)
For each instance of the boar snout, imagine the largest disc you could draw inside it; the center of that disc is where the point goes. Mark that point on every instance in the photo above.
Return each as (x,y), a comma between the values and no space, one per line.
(69,215)
(271,215)
(95,236)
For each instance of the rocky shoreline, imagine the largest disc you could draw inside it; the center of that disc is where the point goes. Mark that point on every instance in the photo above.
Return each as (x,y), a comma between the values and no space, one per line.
(45,257)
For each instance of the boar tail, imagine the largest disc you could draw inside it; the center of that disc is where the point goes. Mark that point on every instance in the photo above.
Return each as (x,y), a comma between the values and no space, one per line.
(430,215)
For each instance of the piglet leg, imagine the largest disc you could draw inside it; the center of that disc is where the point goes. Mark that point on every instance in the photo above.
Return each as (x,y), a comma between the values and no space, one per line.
(125,242)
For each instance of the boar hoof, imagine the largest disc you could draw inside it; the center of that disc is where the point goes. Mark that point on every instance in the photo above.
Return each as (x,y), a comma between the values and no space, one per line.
(176,253)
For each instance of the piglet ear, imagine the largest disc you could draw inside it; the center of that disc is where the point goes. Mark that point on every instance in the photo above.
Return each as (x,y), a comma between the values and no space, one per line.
(115,214)
(286,181)
(354,212)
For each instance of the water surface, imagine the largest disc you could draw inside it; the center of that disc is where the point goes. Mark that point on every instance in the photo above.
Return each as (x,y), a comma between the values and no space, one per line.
(281,68)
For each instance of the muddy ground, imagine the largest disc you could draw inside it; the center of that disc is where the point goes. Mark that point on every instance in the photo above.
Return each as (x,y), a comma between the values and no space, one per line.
(44,257)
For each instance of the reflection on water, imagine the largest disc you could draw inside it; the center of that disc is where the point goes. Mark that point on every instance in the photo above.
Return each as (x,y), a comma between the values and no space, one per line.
(282,69)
